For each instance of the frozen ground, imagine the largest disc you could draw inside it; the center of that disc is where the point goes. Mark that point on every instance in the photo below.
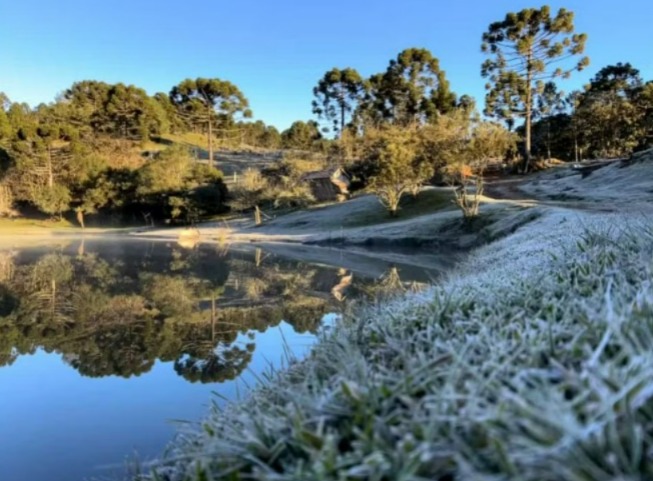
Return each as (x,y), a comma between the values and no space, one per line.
(532,362)
(618,185)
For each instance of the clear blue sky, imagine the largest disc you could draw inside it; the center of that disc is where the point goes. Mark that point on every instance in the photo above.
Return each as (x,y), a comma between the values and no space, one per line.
(275,51)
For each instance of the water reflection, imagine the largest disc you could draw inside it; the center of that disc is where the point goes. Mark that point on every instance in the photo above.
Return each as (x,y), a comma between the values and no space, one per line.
(146,331)
(116,308)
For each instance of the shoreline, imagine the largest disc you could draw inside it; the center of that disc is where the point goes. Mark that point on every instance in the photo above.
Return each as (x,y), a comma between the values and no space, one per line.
(530,360)
(414,362)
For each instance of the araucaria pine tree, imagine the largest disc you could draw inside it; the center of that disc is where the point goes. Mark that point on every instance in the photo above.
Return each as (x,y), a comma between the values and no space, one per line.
(528,49)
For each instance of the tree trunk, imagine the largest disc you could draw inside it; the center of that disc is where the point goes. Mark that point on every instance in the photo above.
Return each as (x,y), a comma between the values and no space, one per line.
(529,113)
(529,121)
(257,215)
(210,138)
(50,173)
(576,147)
(53,298)
(80,218)
(548,138)
(212,315)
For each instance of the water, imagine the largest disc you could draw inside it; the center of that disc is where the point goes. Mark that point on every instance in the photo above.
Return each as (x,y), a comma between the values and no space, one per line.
(105,345)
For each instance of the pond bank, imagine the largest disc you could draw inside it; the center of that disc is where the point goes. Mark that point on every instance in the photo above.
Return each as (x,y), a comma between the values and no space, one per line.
(444,228)
(481,377)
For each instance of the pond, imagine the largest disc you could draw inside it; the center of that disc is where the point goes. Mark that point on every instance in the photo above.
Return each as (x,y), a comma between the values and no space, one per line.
(105,345)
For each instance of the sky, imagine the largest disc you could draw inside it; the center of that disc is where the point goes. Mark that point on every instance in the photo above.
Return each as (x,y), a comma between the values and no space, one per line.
(276,51)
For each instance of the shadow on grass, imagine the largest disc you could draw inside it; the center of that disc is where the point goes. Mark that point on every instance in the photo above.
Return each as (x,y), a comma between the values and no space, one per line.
(427,202)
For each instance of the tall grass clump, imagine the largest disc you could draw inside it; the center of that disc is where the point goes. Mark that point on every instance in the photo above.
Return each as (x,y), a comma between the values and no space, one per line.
(534,362)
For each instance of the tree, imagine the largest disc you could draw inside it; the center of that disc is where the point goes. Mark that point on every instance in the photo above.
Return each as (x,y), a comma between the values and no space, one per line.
(180,189)
(413,89)
(337,96)
(85,102)
(42,173)
(6,200)
(609,111)
(301,135)
(210,360)
(169,171)
(129,113)
(550,103)
(5,125)
(645,103)
(556,136)
(527,49)
(167,111)
(202,100)
(488,141)
(250,191)
(398,164)
(257,134)
(53,199)
(459,147)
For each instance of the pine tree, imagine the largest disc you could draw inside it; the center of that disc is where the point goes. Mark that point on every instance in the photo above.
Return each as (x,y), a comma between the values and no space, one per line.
(528,49)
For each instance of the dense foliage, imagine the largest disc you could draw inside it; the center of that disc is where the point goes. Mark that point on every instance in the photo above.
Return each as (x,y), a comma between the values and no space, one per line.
(102,149)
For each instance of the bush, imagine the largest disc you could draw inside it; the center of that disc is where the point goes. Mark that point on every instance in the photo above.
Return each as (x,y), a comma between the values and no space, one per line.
(52,200)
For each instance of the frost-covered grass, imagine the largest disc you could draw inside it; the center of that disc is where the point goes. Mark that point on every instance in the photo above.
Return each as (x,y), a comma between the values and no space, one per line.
(533,362)
(621,181)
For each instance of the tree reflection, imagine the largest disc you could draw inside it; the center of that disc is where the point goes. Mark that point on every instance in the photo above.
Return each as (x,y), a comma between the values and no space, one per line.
(221,364)
(114,310)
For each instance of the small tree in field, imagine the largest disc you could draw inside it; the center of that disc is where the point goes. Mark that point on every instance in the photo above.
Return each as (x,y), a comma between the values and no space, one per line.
(487,141)
(399,166)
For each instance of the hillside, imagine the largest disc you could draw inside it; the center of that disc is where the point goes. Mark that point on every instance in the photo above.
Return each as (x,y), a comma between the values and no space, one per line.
(228,160)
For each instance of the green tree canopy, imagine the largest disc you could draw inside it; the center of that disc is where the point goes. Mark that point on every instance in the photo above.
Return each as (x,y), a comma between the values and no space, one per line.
(85,101)
(337,96)
(645,103)
(527,49)
(398,166)
(412,89)
(201,100)
(610,112)
(301,135)
(5,125)
(130,113)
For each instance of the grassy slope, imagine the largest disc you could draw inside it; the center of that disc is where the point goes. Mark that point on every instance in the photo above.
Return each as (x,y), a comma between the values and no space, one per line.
(13,226)
(427,202)
(533,362)
(362,211)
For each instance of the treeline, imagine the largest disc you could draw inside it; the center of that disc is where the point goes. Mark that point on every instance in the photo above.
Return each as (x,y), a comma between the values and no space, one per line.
(114,149)
(528,52)
(107,149)
(612,117)
(403,127)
